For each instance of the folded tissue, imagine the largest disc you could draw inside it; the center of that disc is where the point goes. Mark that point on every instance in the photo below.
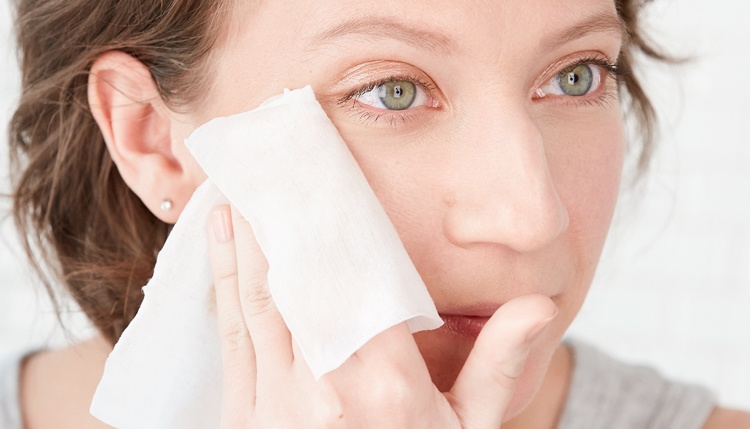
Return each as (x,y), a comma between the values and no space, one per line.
(338,271)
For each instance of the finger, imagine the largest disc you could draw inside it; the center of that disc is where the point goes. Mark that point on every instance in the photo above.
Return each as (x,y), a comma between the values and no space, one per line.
(395,345)
(271,337)
(488,379)
(388,371)
(238,356)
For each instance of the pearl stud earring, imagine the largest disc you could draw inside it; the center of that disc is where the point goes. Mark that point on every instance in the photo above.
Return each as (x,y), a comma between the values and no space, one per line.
(166,205)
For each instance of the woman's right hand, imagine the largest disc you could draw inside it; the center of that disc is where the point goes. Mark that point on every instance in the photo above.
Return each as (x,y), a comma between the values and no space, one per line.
(385,384)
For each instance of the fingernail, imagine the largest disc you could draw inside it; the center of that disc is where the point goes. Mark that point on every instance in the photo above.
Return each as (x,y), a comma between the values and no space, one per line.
(221,218)
(536,330)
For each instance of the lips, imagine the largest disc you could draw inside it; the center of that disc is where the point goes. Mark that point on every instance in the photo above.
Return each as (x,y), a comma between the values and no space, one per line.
(464,326)
(468,322)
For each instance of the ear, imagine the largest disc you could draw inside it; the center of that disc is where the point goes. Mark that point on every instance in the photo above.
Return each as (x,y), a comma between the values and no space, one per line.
(138,128)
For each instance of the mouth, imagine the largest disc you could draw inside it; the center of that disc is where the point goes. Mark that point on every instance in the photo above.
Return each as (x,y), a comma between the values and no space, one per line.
(468,322)
(464,326)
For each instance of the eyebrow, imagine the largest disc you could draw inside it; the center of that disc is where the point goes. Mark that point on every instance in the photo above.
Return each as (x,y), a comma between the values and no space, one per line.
(388,27)
(441,44)
(602,22)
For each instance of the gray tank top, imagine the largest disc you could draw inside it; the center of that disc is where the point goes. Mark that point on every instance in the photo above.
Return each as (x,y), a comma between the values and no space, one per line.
(608,394)
(604,394)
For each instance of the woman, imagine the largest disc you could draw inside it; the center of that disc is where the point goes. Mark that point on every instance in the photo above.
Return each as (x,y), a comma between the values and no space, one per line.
(491,133)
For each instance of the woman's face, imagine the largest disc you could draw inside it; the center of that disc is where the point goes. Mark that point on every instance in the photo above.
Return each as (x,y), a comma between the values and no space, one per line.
(499,177)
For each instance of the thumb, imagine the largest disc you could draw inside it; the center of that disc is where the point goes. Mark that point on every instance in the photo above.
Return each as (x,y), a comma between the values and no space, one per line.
(488,379)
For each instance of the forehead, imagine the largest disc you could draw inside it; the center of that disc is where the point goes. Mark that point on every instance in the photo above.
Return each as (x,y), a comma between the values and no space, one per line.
(443,22)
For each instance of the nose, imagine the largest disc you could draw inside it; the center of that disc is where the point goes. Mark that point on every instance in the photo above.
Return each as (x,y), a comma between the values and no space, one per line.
(500,188)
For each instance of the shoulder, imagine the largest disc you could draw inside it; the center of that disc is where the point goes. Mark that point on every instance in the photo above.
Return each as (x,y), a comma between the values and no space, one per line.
(607,393)
(57,385)
(722,418)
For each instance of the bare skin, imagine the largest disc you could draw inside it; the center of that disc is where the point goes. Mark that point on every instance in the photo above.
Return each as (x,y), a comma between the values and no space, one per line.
(499,185)
(57,387)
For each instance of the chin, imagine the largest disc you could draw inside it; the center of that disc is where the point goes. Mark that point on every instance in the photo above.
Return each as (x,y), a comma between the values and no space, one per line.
(446,353)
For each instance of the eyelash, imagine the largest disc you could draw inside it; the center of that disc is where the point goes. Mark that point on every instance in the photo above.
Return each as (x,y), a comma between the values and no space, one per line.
(393,116)
(611,70)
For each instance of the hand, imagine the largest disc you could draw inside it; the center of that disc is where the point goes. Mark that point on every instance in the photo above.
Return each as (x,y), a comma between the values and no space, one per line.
(385,384)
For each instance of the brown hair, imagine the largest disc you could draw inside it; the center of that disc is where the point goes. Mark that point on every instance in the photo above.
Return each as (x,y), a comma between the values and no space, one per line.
(81,224)
(79,220)
(637,104)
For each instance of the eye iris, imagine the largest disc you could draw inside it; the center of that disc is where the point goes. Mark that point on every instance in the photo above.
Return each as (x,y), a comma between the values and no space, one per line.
(398,94)
(576,81)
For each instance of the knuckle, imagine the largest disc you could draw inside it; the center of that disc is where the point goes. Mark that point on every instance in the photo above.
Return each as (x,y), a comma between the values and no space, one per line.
(506,371)
(234,334)
(391,388)
(224,277)
(225,273)
(257,299)
(329,414)
(507,374)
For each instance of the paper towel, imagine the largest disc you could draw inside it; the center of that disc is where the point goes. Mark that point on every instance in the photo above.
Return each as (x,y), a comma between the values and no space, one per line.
(338,271)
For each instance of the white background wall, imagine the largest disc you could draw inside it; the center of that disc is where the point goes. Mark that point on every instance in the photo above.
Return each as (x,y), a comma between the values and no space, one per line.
(673,289)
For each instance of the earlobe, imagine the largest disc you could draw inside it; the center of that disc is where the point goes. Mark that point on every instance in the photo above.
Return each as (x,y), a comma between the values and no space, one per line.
(136,126)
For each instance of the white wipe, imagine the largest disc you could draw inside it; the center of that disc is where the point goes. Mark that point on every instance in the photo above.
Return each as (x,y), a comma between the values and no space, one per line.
(339,273)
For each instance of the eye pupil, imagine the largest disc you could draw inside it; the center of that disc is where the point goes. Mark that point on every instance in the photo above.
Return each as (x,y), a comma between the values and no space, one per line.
(397,91)
(397,95)
(577,81)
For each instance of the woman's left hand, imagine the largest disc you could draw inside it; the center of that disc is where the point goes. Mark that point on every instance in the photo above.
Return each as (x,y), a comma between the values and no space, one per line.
(385,384)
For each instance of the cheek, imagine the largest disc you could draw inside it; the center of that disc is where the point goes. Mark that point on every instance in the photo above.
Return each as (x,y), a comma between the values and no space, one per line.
(405,172)
(586,165)
(401,168)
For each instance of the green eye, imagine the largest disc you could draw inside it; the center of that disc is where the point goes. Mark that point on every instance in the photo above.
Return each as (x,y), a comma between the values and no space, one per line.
(398,94)
(576,81)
